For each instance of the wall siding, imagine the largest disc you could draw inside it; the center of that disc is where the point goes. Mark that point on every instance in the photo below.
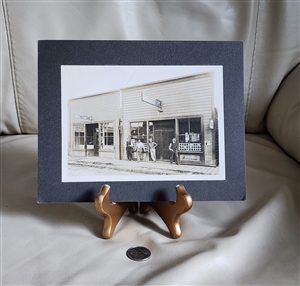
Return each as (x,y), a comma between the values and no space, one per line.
(102,107)
(186,97)
(183,97)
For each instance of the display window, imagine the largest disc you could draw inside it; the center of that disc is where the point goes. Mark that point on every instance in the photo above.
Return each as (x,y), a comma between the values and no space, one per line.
(138,131)
(189,136)
(107,135)
(78,136)
(151,130)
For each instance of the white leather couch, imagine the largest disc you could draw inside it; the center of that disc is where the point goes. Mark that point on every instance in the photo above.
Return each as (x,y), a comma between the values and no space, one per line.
(254,242)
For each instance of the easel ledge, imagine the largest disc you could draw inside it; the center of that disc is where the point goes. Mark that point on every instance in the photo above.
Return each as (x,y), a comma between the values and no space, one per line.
(170,212)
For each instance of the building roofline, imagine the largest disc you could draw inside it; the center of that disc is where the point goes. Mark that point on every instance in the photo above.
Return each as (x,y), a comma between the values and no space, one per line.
(160,82)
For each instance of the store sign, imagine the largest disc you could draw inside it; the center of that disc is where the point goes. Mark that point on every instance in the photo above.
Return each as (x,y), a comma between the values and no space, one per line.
(83,117)
(152,101)
(195,158)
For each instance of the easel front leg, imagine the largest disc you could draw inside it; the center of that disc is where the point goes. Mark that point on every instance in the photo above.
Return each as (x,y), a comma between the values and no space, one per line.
(112,212)
(170,212)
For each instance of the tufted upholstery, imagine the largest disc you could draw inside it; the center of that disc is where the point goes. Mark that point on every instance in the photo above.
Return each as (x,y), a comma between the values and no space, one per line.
(269,32)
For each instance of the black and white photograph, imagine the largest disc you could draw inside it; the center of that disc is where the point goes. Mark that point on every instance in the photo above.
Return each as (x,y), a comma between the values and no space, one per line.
(142,123)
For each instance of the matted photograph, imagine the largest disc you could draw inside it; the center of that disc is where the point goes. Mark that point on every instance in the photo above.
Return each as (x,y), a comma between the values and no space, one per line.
(141,117)
(142,123)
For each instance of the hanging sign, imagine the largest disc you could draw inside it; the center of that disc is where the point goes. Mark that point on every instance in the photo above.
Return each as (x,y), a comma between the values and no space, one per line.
(83,117)
(152,101)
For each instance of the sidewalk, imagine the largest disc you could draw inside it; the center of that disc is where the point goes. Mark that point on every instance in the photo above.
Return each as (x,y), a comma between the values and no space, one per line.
(116,166)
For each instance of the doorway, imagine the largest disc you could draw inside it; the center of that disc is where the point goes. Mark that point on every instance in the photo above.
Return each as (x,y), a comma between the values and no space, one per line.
(164,131)
(92,139)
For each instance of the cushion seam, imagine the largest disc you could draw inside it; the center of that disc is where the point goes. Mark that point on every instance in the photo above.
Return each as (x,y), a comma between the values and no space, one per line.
(12,64)
(252,66)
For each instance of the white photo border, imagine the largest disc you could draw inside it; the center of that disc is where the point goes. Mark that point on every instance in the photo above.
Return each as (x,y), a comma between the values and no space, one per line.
(81,81)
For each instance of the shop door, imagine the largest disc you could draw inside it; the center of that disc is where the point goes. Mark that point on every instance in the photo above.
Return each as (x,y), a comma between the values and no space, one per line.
(164,131)
(92,139)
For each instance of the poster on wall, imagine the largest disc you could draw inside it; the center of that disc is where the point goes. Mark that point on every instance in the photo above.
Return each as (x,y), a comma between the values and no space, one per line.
(142,117)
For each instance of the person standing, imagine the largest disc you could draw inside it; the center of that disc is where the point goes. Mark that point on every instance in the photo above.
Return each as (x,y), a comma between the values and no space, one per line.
(173,147)
(129,149)
(139,148)
(152,146)
(96,142)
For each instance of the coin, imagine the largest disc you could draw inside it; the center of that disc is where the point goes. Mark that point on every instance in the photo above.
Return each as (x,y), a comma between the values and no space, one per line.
(138,253)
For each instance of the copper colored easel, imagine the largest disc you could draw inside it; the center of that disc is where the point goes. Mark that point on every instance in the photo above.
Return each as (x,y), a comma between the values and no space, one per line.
(170,212)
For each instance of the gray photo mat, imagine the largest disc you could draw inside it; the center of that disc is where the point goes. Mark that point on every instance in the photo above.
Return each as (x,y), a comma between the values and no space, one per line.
(54,54)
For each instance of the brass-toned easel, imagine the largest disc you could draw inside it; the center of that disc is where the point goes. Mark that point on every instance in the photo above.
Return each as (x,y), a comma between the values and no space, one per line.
(170,212)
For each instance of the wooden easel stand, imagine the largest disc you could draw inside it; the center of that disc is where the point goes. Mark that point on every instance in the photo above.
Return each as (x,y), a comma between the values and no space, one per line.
(170,212)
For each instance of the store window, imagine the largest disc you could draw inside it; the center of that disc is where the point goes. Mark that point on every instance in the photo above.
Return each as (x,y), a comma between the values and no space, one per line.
(138,131)
(78,136)
(151,130)
(190,134)
(107,135)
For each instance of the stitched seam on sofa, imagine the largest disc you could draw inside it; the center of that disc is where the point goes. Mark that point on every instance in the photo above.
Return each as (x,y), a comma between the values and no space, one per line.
(252,66)
(12,65)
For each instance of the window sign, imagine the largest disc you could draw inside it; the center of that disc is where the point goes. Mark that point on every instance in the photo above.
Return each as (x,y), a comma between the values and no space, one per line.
(190,135)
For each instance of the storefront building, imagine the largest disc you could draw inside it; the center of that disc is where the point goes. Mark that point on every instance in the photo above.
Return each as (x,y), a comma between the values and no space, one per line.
(181,108)
(94,128)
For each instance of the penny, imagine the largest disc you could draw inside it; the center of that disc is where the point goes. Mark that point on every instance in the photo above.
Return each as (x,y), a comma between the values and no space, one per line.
(138,253)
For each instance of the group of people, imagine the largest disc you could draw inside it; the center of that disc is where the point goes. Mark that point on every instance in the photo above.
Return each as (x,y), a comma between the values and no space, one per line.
(140,147)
